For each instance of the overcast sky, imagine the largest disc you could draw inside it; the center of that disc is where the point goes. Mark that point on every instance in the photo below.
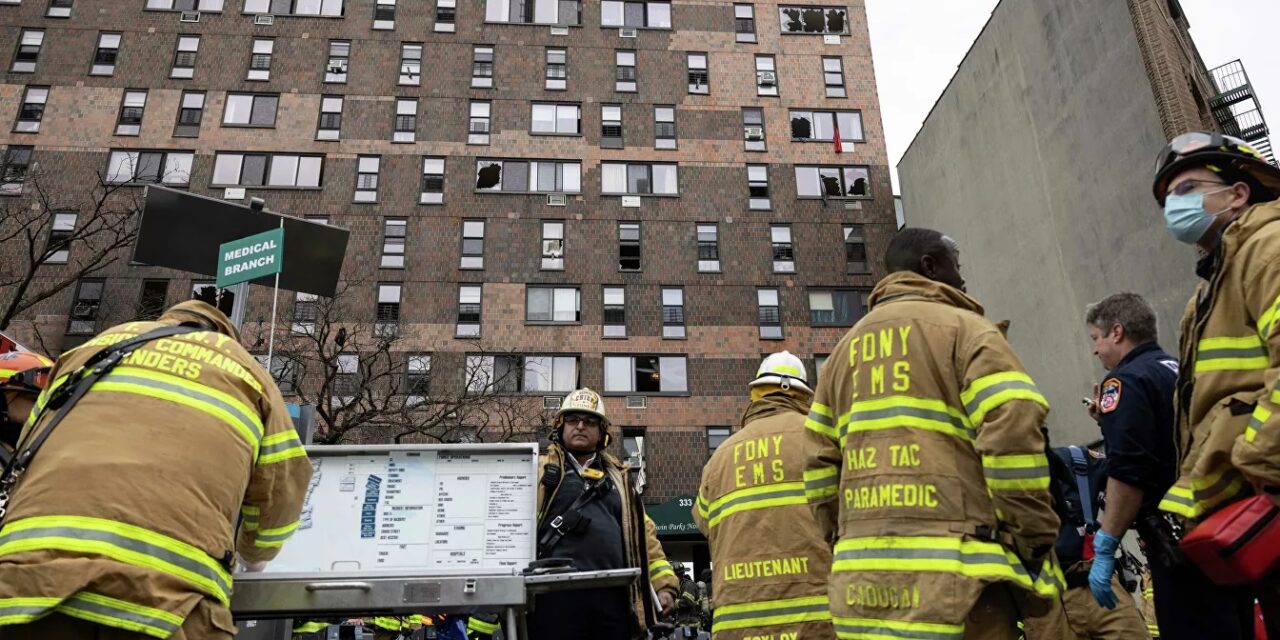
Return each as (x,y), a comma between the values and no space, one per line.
(917,45)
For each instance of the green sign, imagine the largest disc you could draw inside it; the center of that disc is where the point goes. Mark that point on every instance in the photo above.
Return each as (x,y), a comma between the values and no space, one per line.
(673,517)
(248,258)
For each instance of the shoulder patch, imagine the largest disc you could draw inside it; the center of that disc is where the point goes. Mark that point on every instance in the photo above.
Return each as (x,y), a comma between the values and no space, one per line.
(1171,364)
(1109,397)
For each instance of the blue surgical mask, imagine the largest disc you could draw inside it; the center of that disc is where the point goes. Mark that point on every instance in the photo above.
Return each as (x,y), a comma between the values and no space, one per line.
(1185,216)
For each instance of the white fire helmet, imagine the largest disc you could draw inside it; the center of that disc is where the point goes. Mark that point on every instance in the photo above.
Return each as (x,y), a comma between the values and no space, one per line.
(784,370)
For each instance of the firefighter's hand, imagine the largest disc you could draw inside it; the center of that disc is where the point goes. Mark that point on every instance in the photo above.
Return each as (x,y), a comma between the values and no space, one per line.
(1092,406)
(1104,565)
(667,601)
(254,567)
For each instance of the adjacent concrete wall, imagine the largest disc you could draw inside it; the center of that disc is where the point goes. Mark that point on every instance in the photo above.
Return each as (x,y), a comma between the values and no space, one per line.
(1037,160)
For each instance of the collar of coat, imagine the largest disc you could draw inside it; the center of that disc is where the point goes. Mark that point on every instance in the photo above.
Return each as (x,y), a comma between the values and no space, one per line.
(557,453)
(772,404)
(1249,223)
(907,285)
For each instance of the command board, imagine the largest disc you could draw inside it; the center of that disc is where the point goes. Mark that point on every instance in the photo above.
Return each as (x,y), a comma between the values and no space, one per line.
(431,509)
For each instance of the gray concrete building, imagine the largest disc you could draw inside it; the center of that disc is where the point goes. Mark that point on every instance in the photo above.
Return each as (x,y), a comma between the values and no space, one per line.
(1038,159)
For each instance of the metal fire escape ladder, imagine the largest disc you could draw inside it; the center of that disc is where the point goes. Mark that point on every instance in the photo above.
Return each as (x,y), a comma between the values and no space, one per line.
(1236,108)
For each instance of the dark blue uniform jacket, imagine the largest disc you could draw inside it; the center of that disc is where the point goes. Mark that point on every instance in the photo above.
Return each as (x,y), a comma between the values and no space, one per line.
(1137,421)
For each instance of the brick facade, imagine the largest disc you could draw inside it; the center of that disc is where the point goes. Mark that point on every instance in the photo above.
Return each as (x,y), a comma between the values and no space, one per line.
(1180,82)
(722,345)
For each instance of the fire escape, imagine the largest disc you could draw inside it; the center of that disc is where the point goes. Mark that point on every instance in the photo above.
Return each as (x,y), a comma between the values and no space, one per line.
(1236,108)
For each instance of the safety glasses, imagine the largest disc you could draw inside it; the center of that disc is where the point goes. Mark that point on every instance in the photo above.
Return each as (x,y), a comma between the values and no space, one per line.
(1187,186)
(590,421)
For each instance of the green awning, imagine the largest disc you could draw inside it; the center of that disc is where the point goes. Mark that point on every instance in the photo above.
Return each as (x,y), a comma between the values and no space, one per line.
(674,517)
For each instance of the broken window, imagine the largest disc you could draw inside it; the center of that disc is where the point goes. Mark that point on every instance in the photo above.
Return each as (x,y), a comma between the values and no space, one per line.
(820,126)
(629,246)
(813,20)
(832,182)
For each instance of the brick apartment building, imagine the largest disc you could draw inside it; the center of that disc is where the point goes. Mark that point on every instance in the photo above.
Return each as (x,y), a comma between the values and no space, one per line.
(643,197)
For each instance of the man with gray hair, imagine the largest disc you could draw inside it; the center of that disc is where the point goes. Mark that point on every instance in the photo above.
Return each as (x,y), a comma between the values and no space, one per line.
(1134,408)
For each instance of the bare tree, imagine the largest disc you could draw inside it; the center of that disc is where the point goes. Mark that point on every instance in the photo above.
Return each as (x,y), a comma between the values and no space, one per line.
(367,386)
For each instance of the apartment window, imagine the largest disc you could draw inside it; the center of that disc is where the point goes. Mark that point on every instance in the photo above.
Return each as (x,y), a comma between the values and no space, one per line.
(105,56)
(168,167)
(206,291)
(411,64)
(58,249)
(615,312)
(393,236)
(554,12)
(346,378)
(832,182)
(432,181)
(330,125)
(384,14)
(185,5)
(646,374)
(153,300)
(550,374)
(472,244)
(784,255)
(482,68)
(326,8)
(552,304)
(184,58)
(833,77)
(813,20)
(629,246)
(744,22)
(766,76)
(83,318)
(250,110)
(770,314)
(24,61)
(699,78)
(388,312)
(306,311)
(819,361)
(469,311)
(673,313)
(716,437)
(708,248)
(367,178)
(639,179)
(625,79)
(339,61)
(16,162)
(550,118)
(821,126)
(446,16)
(132,106)
(528,176)
(633,447)
(283,369)
(32,110)
(753,128)
(553,245)
(417,378)
(664,127)
(758,186)
(611,126)
(59,9)
(260,59)
(190,114)
(635,15)
(266,170)
(557,69)
(836,307)
(494,374)
(855,249)
(406,123)
(478,127)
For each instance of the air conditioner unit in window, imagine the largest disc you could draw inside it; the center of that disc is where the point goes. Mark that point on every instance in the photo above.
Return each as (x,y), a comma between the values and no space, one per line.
(265,20)
(767,78)
(479,127)
(635,402)
(551,403)
(189,16)
(556,199)
(626,33)
(559,31)
(754,133)
(337,69)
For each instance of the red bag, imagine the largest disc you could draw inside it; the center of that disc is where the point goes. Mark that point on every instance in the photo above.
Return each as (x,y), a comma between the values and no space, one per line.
(1239,544)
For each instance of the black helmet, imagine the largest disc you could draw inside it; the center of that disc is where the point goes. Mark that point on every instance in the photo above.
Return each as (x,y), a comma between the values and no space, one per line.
(1231,157)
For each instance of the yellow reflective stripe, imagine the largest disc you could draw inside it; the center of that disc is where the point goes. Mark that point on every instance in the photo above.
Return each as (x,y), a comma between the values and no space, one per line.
(1268,320)
(821,420)
(659,569)
(770,612)
(487,628)
(971,558)
(1193,497)
(275,537)
(821,484)
(702,506)
(989,392)
(249,517)
(1016,472)
(121,615)
(119,541)
(43,398)
(1260,416)
(905,412)
(23,610)
(883,629)
(1246,353)
(279,447)
(752,498)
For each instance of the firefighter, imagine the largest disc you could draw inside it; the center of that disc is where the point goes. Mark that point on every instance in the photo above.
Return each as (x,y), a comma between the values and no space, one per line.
(931,472)
(122,525)
(588,512)
(1218,194)
(23,375)
(771,559)
(393,627)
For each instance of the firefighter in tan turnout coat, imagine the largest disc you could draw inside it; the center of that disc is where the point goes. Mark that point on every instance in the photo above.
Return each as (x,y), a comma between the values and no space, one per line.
(771,559)
(122,525)
(931,468)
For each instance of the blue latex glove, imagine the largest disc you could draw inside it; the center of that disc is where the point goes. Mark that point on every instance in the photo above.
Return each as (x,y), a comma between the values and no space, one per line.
(1104,565)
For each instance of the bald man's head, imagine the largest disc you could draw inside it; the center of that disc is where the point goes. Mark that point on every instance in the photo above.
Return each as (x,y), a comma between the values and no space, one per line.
(927,253)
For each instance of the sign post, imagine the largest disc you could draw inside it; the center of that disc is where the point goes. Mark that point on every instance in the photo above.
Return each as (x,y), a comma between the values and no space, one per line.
(248,258)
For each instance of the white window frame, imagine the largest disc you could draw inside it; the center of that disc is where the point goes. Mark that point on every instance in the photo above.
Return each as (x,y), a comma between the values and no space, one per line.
(472,230)
(187,43)
(613,174)
(565,304)
(769,299)
(410,64)
(32,95)
(337,74)
(106,42)
(432,166)
(405,107)
(329,105)
(614,296)
(672,369)
(367,178)
(708,233)
(562,113)
(226,162)
(481,80)
(384,25)
(470,294)
(261,47)
(175,166)
(30,38)
(766,75)
(553,245)
(757,177)
(395,232)
(673,297)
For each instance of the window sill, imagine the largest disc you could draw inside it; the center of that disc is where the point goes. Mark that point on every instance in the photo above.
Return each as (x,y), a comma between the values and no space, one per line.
(711,272)
(287,15)
(802,33)
(604,337)
(468,337)
(200,11)
(830,142)
(614,27)
(841,198)
(640,195)
(534,24)
(551,134)
(549,323)
(524,193)
(647,394)
(262,187)
(231,125)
